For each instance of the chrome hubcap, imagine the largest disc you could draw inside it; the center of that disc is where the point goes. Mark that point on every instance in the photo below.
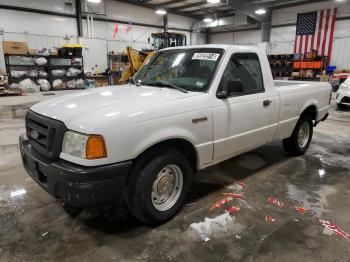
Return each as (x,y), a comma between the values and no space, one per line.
(167,187)
(303,136)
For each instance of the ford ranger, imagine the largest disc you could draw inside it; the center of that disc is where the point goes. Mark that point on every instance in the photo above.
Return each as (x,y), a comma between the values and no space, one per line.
(188,108)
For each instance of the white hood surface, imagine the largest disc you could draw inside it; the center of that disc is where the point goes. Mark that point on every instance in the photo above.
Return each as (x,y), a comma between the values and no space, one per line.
(78,109)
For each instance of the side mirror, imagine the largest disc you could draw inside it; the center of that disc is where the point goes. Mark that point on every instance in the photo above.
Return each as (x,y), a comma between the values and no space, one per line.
(233,86)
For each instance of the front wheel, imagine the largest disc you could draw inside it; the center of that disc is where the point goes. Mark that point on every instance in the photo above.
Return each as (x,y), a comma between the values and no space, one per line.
(158,185)
(300,140)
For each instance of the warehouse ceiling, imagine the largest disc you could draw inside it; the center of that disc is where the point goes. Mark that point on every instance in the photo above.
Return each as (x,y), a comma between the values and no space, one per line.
(199,9)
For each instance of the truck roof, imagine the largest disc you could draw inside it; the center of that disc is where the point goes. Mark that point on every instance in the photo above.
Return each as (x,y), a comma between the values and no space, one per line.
(225,47)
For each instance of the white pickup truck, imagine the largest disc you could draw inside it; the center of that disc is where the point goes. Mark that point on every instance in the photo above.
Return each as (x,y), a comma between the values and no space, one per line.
(187,109)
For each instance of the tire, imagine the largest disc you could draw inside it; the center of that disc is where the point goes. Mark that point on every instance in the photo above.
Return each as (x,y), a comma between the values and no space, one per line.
(341,106)
(71,210)
(292,144)
(155,167)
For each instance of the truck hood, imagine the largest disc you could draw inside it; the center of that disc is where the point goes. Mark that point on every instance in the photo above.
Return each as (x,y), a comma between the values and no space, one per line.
(74,109)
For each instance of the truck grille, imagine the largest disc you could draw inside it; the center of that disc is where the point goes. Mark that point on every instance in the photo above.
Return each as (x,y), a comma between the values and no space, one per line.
(45,134)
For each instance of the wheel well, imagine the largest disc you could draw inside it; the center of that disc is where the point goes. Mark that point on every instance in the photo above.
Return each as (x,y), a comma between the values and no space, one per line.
(312,111)
(182,145)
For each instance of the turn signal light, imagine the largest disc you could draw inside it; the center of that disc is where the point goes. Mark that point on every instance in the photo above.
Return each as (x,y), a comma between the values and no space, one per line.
(95,147)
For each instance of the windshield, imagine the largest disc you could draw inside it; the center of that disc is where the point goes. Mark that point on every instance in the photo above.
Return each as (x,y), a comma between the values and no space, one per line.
(188,69)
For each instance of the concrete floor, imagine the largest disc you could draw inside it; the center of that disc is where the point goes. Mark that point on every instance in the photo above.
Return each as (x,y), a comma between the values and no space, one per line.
(33,225)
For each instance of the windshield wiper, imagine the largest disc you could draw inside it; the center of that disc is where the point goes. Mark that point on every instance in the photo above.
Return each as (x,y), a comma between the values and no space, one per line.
(135,82)
(167,84)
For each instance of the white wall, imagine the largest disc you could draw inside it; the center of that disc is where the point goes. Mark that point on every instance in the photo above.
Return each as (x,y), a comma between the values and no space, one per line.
(224,38)
(40,30)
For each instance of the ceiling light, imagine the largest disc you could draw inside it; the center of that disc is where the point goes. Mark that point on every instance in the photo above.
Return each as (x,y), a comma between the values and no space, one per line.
(94,1)
(213,1)
(207,20)
(260,11)
(160,12)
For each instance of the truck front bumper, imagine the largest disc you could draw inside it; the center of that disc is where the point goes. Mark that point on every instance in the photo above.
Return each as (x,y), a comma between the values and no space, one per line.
(79,186)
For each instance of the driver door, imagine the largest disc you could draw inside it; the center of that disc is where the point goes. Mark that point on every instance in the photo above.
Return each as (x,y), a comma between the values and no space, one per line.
(244,120)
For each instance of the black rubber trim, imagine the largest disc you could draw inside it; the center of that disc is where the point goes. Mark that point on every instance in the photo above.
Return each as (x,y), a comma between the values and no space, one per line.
(77,185)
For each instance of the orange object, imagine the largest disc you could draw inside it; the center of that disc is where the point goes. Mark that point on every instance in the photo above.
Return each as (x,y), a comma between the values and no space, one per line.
(296,64)
(95,147)
(221,202)
(318,64)
(310,64)
(301,210)
(303,64)
(270,219)
(233,195)
(275,201)
(233,209)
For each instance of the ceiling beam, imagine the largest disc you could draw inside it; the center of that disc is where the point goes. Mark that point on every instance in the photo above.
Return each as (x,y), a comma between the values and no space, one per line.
(171,2)
(228,14)
(206,9)
(245,7)
(190,5)
(153,7)
(286,3)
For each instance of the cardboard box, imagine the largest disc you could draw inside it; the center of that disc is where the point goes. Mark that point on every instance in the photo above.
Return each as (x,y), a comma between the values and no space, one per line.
(32,51)
(16,48)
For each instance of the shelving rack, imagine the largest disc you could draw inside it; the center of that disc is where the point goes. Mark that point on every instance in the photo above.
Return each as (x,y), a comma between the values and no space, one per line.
(316,65)
(281,65)
(47,67)
(115,63)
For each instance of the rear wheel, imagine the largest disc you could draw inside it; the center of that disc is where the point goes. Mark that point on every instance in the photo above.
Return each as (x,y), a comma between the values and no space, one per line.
(341,106)
(158,185)
(300,140)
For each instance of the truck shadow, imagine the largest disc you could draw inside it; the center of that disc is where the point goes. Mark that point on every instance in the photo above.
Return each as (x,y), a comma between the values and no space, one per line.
(205,182)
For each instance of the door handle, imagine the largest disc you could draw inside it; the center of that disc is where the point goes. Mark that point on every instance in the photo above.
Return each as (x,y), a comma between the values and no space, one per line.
(267,102)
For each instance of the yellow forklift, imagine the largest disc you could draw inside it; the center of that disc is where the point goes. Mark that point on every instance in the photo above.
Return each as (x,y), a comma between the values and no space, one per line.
(159,41)
(167,39)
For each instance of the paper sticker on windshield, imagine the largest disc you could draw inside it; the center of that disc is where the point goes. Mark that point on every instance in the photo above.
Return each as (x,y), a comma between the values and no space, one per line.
(205,56)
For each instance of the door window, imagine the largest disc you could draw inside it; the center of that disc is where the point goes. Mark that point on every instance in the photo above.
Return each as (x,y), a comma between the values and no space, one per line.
(244,67)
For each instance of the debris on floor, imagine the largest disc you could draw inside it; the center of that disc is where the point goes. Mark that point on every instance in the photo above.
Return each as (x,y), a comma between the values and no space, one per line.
(237,186)
(209,225)
(333,228)
(275,201)
(241,183)
(233,195)
(221,202)
(233,209)
(300,210)
(270,219)
(204,237)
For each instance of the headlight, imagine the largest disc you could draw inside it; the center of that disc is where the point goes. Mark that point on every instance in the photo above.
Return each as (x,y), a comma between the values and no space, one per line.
(83,146)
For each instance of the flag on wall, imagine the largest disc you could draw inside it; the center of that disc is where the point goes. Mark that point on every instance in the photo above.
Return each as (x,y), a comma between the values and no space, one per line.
(315,30)
(129,27)
(115,29)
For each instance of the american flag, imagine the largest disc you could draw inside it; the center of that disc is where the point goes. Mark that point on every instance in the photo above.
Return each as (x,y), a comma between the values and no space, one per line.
(129,27)
(315,30)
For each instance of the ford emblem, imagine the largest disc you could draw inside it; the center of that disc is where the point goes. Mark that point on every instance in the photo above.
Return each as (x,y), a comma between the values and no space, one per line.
(34,134)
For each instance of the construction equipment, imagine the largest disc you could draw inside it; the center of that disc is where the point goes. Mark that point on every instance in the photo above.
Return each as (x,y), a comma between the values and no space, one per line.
(167,39)
(136,60)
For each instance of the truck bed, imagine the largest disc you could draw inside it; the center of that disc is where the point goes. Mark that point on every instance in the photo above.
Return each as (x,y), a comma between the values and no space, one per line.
(282,83)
